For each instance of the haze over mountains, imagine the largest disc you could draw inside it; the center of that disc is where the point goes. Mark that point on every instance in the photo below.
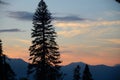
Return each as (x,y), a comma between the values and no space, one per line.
(99,72)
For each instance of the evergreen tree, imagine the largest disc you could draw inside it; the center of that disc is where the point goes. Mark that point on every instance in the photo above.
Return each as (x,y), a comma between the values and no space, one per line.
(44,52)
(6,73)
(76,75)
(86,74)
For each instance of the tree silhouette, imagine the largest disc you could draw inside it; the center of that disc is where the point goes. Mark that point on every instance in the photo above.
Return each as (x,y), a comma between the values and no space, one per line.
(76,75)
(118,1)
(6,73)
(44,52)
(86,74)
(1,62)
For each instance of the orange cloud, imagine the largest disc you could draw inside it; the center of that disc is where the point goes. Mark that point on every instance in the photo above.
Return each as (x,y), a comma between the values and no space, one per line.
(86,24)
(90,54)
(92,60)
(72,53)
(72,33)
(16,52)
(77,28)
(24,41)
(115,41)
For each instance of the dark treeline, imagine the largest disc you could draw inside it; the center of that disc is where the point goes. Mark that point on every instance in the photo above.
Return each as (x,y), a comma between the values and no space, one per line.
(44,52)
(86,75)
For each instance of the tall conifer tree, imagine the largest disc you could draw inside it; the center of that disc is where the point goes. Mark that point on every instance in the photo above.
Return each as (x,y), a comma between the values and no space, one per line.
(44,52)
(86,74)
(76,74)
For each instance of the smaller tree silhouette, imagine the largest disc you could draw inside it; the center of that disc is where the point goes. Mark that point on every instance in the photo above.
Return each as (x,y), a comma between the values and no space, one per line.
(86,74)
(1,62)
(6,73)
(76,74)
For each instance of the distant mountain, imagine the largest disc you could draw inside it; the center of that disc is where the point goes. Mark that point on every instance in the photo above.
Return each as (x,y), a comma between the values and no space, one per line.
(99,72)
(19,66)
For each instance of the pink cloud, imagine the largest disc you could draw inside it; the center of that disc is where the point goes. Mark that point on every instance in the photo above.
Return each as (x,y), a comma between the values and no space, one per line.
(16,52)
(71,53)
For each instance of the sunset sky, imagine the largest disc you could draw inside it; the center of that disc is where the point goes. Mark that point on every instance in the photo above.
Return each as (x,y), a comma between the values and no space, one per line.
(88,30)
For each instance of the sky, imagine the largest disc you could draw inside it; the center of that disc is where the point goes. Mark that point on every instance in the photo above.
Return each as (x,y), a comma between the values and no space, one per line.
(88,31)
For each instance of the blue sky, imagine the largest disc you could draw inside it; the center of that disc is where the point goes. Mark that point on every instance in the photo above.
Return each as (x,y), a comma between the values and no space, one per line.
(88,31)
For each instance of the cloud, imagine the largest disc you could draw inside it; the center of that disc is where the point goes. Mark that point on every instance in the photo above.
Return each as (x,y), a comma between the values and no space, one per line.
(24,41)
(87,23)
(71,29)
(69,18)
(69,24)
(89,54)
(24,15)
(21,15)
(3,3)
(112,13)
(13,51)
(115,41)
(72,33)
(10,30)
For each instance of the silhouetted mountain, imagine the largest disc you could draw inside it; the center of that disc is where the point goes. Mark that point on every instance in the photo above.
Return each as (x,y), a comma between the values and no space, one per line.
(19,66)
(99,72)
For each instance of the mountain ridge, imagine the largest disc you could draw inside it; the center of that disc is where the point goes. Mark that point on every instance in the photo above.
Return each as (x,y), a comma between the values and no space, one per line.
(99,72)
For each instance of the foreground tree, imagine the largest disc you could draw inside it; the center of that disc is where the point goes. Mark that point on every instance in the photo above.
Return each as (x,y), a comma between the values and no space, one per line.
(44,52)
(6,73)
(76,75)
(86,74)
